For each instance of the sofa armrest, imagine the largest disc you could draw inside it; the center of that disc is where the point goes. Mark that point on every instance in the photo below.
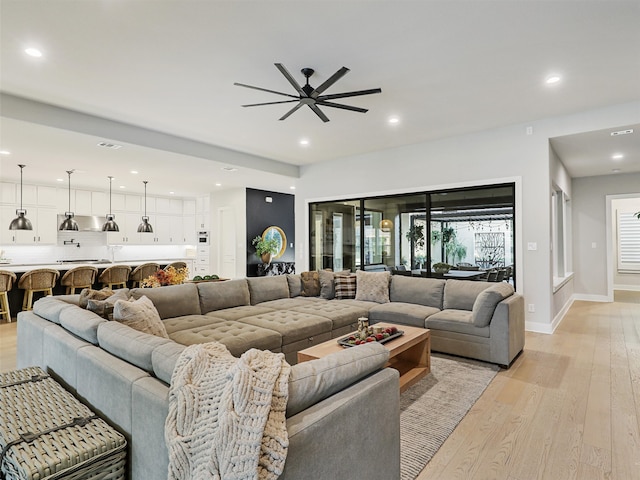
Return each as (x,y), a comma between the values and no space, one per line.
(329,439)
(506,330)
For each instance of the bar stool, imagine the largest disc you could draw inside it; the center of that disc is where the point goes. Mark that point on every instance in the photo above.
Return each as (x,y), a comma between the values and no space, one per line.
(39,280)
(141,272)
(79,277)
(176,265)
(116,275)
(6,283)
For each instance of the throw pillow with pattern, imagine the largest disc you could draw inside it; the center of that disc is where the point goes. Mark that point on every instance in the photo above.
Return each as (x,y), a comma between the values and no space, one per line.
(345,286)
(89,294)
(373,286)
(141,315)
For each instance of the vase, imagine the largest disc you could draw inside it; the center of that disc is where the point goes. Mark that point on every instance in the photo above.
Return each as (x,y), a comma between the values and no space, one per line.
(266,258)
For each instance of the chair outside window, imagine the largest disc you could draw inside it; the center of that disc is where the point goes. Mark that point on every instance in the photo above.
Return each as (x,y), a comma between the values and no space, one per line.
(79,277)
(39,280)
(7,280)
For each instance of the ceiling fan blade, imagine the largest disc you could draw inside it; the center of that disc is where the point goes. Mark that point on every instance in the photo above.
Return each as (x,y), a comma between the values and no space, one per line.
(291,80)
(269,103)
(344,107)
(357,93)
(291,111)
(265,90)
(330,81)
(318,112)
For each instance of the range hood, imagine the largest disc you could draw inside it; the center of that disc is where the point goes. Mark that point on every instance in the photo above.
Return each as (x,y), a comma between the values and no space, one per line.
(86,223)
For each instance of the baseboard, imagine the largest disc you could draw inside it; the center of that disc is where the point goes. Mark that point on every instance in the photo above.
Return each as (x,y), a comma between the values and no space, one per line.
(560,316)
(630,288)
(591,298)
(538,327)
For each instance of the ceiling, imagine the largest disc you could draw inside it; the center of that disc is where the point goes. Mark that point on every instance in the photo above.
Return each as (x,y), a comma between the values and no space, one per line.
(159,76)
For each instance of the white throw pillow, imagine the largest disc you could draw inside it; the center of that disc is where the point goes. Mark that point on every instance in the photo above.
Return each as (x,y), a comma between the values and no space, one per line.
(141,315)
(372,286)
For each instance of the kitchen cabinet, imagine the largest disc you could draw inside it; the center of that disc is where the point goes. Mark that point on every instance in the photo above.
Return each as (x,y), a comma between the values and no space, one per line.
(8,193)
(118,203)
(132,203)
(128,233)
(83,202)
(189,207)
(47,196)
(99,203)
(189,229)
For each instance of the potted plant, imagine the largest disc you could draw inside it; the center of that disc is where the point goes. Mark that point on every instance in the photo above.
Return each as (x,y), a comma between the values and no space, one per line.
(265,249)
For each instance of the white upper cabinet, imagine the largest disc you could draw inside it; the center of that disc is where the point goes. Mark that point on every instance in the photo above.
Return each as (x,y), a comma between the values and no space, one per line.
(163,206)
(118,203)
(83,202)
(133,203)
(62,200)
(99,203)
(29,195)
(175,206)
(9,193)
(47,196)
(189,207)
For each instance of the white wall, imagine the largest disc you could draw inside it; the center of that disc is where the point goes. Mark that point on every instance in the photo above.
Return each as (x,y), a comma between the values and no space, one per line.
(589,226)
(236,199)
(467,160)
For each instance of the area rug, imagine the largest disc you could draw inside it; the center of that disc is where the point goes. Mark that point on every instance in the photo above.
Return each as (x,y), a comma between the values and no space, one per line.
(432,408)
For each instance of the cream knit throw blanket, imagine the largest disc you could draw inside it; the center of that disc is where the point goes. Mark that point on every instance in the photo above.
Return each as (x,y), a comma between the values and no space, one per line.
(226,416)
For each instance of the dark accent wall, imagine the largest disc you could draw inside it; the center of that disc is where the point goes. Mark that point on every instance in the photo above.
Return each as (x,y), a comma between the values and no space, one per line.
(261,215)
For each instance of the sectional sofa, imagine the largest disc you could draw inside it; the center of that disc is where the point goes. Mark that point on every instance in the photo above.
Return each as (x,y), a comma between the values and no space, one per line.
(124,374)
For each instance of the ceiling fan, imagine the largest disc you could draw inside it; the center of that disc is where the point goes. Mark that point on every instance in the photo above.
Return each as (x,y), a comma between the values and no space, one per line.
(312,97)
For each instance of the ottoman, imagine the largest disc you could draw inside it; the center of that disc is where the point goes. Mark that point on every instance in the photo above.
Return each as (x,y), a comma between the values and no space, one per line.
(47,434)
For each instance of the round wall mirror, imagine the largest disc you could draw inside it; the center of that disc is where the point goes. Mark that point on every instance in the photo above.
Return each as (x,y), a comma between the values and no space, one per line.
(279,236)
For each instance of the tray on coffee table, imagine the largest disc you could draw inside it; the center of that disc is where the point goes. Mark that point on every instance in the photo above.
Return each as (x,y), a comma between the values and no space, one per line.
(345,340)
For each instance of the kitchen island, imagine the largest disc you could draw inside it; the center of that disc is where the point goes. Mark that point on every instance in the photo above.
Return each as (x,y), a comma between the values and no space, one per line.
(16,295)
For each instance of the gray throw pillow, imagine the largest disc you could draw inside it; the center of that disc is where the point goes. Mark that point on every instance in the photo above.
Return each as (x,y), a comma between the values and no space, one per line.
(141,315)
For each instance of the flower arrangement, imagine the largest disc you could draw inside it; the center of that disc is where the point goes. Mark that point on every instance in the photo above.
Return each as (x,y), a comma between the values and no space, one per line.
(170,276)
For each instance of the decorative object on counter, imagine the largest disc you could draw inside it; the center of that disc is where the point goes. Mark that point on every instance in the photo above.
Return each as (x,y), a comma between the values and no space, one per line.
(276,268)
(141,272)
(39,280)
(110,225)
(145,226)
(6,284)
(162,278)
(177,265)
(21,222)
(441,267)
(69,223)
(265,248)
(206,278)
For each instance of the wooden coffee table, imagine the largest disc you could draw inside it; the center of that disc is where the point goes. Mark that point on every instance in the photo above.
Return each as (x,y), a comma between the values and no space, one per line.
(410,354)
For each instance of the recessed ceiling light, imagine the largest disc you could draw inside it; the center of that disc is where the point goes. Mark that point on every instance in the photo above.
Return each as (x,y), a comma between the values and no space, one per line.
(112,146)
(218,184)
(122,186)
(292,187)
(59,179)
(171,193)
(393,120)
(616,170)
(552,79)
(135,172)
(229,169)
(33,52)
(5,152)
(617,156)
(304,142)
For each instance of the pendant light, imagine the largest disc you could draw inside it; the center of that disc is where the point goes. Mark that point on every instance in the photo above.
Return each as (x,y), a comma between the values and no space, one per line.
(20,222)
(145,226)
(110,225)
(69,223)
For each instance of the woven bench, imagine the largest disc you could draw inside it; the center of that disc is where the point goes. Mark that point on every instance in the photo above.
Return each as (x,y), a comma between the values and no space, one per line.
(47,434)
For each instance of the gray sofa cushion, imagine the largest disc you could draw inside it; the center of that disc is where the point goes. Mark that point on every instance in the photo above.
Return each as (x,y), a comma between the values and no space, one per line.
(219,295)
(315,380)
(235,313)
(486,302)
(129,344)
(50,308)
(341,315)
(400,312)
(263,289)
(81,322)
(173,300)
(459,321)
(164,358)
(293,326)
(461,294)
(422,291)
(295,285)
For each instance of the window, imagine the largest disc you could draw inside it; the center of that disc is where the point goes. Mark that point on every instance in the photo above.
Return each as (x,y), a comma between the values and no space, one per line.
(628,242)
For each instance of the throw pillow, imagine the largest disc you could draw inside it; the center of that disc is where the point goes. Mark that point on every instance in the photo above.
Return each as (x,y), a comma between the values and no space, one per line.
(486,303)
(310,284)
(345,286)
(141,315)
(105,307)
(373,286)
(89,294)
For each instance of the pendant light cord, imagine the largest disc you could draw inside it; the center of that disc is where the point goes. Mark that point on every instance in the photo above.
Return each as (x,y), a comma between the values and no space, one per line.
(21,167)
(69,172)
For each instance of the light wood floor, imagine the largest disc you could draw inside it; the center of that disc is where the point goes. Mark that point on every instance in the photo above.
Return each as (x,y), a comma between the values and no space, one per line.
(568,408)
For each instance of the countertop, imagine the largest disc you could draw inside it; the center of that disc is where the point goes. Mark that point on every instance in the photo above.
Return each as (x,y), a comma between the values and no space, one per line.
(24,267)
